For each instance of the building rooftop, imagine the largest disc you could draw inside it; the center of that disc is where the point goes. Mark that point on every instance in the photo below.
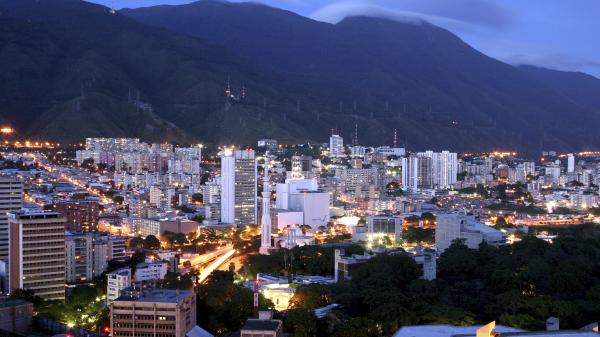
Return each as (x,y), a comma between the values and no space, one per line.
(154,295)
(12,302)
(445,331)
(262,324)
(121,272)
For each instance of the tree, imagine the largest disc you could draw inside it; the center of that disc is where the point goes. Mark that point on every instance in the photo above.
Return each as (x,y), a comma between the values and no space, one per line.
(117,199)
(197,197)
(360,326)
(418,235)
(224,306)
(137,258)
(151,242)
(301,322)
(311,296)
(25,295)
(136,242)
(88,164)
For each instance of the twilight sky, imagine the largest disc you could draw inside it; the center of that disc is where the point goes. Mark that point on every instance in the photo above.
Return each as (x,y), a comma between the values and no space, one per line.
(557,34)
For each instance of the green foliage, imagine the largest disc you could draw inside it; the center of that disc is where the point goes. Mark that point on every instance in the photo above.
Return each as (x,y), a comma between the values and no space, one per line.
(174,239)
(151,242)
(311,296)
(301,322)
(224,306)
(83,307)
(519,285)
(117,199)
(177,281)
(197,197)
(198,218)
(305,260)
(25,295)
(479,190)
(360,326)
(519,208)
(419,235)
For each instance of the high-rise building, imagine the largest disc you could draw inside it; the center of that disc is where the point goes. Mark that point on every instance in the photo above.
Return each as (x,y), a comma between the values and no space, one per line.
(336,146)
(570,163)
(238,187)
(417,172)
(153,313)
(265,220)
(37,253)
(444,168)
(86,256)
(78,257)
(116,247)
(11,200)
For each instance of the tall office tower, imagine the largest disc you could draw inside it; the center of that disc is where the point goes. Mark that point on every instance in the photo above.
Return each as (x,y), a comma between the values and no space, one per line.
(86,256)
(153,313)
(417,172)
(444,168)
(570,163)
(424,172)
(238,187)
(37,253)
(336,146)
(409,173)
(78,257)
(11,200)
(265,221)
(296,168)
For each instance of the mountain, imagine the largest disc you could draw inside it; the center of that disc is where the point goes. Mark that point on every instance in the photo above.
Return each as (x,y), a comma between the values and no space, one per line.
(582,89)
(72,69)
(419,78)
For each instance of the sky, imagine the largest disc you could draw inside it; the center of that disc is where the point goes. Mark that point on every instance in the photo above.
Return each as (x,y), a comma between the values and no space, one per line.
(557,34)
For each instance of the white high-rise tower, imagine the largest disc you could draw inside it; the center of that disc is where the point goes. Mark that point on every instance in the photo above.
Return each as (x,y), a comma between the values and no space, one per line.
(570,163)
(265,222)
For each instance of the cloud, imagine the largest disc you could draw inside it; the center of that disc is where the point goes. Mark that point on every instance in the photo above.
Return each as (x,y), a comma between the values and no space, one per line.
(480,12)
(335,12)
(518,53)
(475,17)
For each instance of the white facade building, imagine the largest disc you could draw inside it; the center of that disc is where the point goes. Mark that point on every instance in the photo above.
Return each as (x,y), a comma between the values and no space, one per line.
(452,227)
(336,146)
(147,271)
(238,187)
(116,281)
(570,163)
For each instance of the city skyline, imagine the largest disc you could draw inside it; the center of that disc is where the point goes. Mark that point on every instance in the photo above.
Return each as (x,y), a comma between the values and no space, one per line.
(343,168)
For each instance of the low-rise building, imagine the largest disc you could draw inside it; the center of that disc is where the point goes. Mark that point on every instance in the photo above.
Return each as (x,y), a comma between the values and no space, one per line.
(116,282)
(386,225)
(345,265)
(153,313)
(451,227)
(263,326)
(493,330)
(150,271)
(16,316)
